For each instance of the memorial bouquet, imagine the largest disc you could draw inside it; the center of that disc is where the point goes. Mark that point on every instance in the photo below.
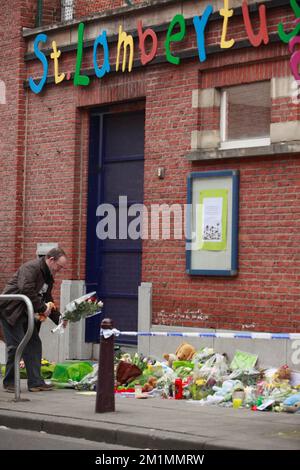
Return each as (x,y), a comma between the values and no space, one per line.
(85,306)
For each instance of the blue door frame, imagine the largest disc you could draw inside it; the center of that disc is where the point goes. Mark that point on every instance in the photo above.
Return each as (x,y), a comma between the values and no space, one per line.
(113,267)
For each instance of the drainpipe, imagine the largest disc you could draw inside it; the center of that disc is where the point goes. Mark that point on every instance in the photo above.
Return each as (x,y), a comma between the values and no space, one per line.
(39,14)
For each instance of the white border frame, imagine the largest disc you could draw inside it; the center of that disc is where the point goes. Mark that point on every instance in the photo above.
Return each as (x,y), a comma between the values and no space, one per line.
(238,143)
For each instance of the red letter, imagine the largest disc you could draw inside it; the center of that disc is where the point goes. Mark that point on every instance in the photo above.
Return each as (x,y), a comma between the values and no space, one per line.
(145,58)
(256,39)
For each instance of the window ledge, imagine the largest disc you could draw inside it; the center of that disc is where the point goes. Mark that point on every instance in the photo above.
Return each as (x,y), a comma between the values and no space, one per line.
(219,154)
(245,143)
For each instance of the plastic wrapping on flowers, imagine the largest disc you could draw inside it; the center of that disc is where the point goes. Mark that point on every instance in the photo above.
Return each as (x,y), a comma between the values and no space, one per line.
(66,374)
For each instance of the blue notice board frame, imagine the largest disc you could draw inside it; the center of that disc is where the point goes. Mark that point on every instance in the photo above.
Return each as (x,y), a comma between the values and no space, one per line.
(205,262)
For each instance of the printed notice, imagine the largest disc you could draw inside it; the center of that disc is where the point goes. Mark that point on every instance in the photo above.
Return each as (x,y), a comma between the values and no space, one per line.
(212,229)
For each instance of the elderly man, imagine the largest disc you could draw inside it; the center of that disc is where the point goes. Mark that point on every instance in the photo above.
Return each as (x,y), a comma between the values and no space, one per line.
(34,279)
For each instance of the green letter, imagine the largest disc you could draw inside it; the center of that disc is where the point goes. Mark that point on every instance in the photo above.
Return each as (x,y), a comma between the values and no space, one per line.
(80,79)
(174,38)
(286,37)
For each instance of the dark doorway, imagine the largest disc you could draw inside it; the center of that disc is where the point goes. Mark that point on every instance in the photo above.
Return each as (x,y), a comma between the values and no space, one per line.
(116,173)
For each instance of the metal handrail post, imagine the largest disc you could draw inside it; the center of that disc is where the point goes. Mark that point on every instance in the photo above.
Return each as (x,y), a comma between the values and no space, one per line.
(25,340)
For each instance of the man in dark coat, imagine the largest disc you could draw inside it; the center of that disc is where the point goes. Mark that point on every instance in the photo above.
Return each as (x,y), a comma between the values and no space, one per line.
(34,279)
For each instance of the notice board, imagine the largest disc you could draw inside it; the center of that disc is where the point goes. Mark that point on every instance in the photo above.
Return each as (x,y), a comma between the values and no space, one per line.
(212,223)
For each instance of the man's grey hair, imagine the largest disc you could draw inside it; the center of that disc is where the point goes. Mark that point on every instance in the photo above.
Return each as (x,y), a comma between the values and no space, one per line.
(55,253)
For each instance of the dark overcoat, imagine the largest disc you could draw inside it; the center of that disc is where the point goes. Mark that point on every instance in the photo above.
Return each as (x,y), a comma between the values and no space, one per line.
(35,280)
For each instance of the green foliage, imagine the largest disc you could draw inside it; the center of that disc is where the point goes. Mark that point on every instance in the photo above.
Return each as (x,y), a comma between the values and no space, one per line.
(199,392)
(82,310)
(184,371)
(177,364)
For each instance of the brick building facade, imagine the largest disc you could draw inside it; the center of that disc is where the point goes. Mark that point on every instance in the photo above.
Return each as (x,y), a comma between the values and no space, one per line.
(46,147)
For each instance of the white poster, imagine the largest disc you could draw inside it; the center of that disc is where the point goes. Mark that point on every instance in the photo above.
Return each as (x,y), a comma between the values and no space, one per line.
(212,219)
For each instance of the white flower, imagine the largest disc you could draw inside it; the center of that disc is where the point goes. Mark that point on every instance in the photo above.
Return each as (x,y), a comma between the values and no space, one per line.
(100,304)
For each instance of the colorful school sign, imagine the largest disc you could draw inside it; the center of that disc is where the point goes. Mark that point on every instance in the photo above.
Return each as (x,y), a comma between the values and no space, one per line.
(125,41)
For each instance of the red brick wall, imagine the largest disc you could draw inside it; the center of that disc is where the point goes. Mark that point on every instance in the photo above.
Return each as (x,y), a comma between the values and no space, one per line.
(13,147)
(12,133)
(51,12)
(53,162)
(8,142)
(266,291)
(86,8)
(29,11)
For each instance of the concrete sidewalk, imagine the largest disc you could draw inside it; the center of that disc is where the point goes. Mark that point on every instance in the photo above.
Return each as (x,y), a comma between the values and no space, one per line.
(152,423)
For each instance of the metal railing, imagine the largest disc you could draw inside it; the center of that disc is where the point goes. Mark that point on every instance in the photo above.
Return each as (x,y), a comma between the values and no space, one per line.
(24,341)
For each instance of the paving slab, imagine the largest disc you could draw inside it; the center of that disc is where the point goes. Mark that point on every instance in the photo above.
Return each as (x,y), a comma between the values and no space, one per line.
(152,423)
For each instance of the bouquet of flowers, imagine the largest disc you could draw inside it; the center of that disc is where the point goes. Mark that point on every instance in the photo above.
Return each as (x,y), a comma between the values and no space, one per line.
(85,306)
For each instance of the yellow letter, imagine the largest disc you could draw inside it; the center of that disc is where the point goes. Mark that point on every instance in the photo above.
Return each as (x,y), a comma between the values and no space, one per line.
(126,40)
(227,14)
(55,55)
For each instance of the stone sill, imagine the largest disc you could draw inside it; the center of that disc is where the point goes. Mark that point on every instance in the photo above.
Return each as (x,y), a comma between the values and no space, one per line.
(218,154)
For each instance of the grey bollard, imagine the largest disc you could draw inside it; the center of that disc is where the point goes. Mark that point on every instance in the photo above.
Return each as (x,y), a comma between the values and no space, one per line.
(105,396)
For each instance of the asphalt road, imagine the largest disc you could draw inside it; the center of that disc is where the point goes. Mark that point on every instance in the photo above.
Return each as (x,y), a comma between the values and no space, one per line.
(18,439)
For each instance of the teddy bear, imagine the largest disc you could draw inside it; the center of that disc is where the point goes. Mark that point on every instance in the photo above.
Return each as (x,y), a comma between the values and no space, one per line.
(283,373)
(184,352)
(150,384)
(170,358)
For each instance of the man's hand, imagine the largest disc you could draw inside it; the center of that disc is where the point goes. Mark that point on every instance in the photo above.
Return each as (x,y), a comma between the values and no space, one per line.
(65,323)
(50,307)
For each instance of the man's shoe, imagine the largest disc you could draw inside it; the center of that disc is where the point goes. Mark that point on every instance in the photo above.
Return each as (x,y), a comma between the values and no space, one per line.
(9,388)
(41,388)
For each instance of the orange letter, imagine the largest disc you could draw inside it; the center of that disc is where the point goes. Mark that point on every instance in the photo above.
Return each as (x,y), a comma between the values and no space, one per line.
(256,39)
(145,58)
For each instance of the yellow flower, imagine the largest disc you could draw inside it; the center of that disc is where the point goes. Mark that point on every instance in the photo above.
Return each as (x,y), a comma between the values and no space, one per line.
(200,382)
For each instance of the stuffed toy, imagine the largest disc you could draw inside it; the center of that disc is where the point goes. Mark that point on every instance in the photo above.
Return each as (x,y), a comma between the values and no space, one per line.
(170,358)
(283,373)
(184,352)
(292,403)
(150,384)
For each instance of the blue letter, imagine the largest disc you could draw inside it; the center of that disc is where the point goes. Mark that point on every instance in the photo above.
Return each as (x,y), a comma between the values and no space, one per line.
(106,65)
(37,88)
(200,24)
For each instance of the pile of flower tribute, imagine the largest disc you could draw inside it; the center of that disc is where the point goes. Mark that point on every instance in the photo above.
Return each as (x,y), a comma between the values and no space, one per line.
(211,379)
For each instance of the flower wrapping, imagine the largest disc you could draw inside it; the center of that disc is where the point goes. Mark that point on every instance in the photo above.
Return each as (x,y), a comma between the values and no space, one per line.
(83,307)
(82,310)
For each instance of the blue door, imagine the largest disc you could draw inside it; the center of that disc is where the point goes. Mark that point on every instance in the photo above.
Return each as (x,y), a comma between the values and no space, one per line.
(116,173)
